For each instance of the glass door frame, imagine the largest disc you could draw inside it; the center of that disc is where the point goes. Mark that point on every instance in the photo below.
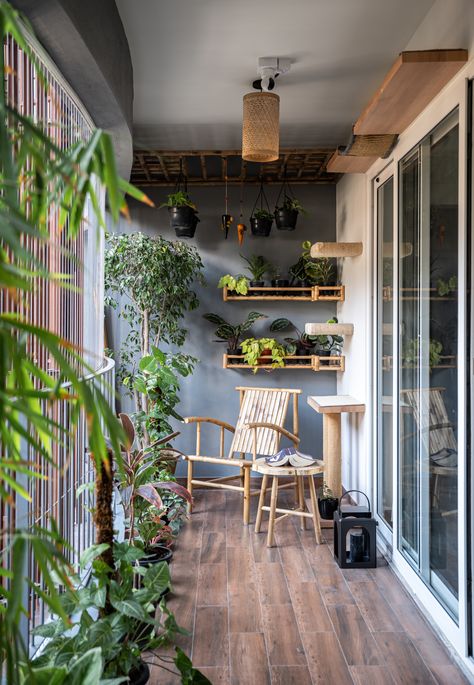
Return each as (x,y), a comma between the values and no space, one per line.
(453,96)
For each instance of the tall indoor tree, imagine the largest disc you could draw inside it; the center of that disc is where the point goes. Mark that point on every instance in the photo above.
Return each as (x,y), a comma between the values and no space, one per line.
(35,175)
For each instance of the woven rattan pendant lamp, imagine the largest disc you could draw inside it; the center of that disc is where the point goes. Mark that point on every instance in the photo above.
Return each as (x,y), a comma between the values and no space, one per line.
(261,114)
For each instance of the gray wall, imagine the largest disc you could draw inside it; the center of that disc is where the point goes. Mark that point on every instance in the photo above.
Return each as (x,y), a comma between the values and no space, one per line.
(87,42)
(211,389)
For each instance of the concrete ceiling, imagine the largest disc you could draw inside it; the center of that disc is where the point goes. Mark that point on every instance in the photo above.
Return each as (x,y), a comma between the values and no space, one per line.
(193,60)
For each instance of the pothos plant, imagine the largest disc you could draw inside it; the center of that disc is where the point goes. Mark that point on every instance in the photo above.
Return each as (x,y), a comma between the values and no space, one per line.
(254,348)
(238,284)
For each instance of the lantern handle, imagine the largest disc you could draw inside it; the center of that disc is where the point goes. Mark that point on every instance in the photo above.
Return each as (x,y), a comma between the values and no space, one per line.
(360,493)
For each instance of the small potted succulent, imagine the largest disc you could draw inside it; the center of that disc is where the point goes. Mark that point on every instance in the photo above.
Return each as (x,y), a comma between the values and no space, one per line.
(182,213)
(263,351)
(230,333)
(327,503)
(286,214)
(258,266)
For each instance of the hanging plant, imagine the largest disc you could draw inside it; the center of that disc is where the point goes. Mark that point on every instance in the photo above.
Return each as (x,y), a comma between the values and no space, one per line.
(261,219)
(241,227)
(226,218)
(286,213)
(182,212)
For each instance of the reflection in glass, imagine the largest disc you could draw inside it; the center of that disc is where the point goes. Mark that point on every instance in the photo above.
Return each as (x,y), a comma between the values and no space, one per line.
(428,323)
(385,351)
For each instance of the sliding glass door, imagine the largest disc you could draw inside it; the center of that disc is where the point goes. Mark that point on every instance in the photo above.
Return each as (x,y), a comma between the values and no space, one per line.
(427,361)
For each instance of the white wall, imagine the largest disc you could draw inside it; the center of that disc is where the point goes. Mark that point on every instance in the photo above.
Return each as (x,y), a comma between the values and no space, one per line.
(351,225)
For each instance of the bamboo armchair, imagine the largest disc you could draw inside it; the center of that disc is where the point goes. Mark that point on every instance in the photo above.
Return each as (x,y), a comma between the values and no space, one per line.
(259,429)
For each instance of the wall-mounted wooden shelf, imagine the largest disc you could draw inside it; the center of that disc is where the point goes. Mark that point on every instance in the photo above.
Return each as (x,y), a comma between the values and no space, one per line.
(316,293)
(311,362)
(338,250)
(410,85)
(329,329)
(348,164)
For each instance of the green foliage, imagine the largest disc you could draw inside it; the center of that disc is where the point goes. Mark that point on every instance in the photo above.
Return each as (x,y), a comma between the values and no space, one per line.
(155,276)
(122,634)
(189,675)
(258,266)
(232,333)
(447,287)
(291,204)
(317,271)
(156,380)
(302,342)
(238,284)
(411,353)
(263,214)
(252,349)
(325,492)
(36,178)
(179,199)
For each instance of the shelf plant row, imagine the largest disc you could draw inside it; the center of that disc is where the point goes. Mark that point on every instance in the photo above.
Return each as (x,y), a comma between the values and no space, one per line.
(312,362)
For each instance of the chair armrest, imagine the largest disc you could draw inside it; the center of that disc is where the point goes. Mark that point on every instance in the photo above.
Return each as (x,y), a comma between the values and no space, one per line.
(207,419)
(294,438)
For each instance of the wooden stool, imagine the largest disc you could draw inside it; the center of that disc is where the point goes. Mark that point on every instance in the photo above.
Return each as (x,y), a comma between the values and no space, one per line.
(299,474)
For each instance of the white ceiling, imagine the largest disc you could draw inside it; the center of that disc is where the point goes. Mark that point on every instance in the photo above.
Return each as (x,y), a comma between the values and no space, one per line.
(193,60)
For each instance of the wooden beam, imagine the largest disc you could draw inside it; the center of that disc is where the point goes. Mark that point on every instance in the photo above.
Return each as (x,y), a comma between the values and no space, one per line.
(231,152)
(203,167)
(163,167)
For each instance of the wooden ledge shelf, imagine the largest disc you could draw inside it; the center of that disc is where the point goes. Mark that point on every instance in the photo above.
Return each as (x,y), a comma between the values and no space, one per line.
(329,329)
(336,250)
(349,164)
(316,293)
(310,362)
(410,85)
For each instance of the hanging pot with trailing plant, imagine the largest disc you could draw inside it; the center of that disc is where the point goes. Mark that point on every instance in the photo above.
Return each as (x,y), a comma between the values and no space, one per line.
(182,212)
(286,212)
(261,219)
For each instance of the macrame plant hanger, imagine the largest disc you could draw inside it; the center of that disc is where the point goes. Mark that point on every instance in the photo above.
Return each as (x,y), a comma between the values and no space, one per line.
(227,218)
(260,197)
(182,180)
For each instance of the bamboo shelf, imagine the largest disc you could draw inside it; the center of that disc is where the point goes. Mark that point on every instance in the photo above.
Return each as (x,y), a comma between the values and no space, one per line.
(329,328)
(316,293)
(312,362)
(336,249)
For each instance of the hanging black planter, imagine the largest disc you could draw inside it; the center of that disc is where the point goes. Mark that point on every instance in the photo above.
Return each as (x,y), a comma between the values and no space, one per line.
(261,219)
(286,213)
(182,212)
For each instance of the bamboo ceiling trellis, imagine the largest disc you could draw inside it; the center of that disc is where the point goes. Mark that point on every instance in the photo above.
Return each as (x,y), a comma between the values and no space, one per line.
(209,167)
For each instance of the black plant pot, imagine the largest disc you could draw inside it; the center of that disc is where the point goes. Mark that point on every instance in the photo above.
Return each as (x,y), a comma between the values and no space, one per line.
(280,283)
(237,350)
(261,227)
(155,554)
(327,507)
(257,284)
(139,675)
(184,221)
(286,219)
(303,352)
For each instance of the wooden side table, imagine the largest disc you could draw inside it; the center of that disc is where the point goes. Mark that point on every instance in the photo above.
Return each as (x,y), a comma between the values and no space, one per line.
(331,407)
(275,472)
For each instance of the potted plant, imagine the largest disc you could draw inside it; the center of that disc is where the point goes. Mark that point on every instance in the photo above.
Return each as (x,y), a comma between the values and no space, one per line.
(258,351)
(114,615)
(279,282)
(231,334)
(286,215)
(182,213)
(258,266)
(312,271)
(238,284)
(261,222)
(302,345)
(327,503)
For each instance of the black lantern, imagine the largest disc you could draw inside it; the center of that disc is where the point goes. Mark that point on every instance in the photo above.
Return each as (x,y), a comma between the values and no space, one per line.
(355,535)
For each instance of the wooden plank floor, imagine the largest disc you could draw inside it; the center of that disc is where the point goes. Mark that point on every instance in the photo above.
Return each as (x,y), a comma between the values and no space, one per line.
(288,615)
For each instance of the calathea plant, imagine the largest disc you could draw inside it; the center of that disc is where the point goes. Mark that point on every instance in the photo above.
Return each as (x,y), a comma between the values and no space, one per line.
(230,333)
(302,344)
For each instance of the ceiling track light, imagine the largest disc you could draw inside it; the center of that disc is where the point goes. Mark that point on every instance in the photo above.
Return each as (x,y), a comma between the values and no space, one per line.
(261,113)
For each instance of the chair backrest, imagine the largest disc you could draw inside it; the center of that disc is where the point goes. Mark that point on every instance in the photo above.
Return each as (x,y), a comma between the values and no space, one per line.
(267,405)
(431,416)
